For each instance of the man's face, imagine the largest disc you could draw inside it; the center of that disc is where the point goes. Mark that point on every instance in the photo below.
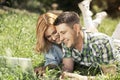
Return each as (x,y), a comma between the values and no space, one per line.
(67,35)
(52,35)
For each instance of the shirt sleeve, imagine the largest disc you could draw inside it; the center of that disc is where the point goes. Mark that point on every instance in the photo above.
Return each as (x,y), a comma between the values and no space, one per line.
(67,52)
(102,48)
(53,56)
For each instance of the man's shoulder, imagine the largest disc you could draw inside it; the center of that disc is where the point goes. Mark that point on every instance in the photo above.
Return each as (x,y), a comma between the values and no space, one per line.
(97,35)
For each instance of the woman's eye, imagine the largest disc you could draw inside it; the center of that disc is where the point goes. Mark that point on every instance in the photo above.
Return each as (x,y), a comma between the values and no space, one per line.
(48,37)
(54,32)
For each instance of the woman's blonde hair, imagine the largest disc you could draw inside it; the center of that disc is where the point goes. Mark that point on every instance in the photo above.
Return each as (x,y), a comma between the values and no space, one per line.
(44,21)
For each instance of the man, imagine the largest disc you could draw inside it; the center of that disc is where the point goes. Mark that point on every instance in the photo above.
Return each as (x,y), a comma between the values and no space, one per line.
(83,47)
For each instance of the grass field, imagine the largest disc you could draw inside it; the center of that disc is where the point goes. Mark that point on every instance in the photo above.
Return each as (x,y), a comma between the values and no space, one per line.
(17,39)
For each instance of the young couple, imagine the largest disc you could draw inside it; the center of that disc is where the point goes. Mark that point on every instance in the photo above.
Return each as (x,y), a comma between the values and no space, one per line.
(77,45)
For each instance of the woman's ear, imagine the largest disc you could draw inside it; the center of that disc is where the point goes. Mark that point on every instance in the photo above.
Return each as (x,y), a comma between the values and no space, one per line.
(76,28)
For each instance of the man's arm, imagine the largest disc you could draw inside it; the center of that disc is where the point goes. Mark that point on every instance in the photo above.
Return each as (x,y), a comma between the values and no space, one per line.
(68,64)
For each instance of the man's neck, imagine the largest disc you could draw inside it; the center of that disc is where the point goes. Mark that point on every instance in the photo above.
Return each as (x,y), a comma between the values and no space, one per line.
(79,42)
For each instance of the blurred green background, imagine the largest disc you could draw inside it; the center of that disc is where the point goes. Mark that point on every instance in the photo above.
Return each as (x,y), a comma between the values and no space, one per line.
(112,7)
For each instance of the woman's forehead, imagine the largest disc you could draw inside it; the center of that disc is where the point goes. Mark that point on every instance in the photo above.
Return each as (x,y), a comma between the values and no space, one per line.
(52,26)
(50,29)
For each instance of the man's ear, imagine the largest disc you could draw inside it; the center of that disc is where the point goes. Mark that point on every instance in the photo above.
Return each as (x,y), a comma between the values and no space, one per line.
(76,28)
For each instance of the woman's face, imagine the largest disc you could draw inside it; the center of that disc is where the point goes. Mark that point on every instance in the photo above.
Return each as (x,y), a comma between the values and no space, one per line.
(52,35)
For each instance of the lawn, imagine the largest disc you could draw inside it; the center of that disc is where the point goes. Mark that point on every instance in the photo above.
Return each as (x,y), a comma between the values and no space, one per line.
(18,39)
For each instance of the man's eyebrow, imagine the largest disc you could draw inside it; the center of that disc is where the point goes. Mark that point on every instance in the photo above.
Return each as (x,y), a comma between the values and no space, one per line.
(62,31)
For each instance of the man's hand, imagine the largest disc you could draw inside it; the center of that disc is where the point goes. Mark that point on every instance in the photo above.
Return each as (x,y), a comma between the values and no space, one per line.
(73,76)
(68,64)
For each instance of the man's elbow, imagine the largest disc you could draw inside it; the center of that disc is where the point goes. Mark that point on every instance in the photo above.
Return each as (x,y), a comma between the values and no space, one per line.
(67,69)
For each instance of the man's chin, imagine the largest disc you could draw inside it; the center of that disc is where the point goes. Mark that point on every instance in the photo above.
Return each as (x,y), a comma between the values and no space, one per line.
(69,46)
(58,42)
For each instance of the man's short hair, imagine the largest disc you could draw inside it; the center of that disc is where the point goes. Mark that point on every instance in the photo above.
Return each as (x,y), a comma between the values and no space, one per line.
(70,18)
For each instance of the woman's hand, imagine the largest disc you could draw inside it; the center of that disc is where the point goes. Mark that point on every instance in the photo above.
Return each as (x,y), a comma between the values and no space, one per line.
(40,71)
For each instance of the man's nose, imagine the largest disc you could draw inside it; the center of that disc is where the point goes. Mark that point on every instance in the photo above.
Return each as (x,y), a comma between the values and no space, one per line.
(53,37)
(61,38)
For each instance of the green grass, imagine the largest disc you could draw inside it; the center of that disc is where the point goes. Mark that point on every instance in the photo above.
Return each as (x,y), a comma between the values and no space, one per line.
(18,38)
(108,25)
(17,34)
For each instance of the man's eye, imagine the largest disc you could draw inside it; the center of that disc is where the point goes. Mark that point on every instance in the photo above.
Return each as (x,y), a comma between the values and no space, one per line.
(48,36)
(63,32)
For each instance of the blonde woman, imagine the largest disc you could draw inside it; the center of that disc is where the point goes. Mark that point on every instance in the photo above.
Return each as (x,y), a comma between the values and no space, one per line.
(48,40)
